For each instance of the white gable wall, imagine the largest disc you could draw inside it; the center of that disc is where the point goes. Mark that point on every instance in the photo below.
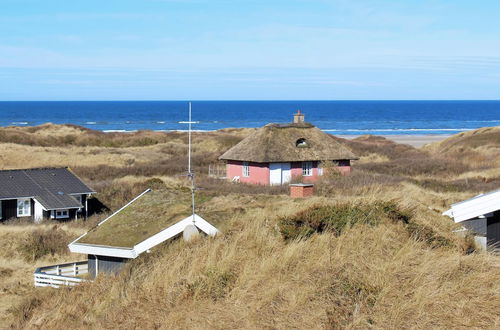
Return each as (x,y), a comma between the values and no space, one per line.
(38,214)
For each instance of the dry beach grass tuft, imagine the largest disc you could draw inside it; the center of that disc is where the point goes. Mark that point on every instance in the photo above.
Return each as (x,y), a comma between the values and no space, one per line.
(384,257)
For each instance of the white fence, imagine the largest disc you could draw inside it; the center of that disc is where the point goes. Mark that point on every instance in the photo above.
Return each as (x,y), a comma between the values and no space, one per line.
(63,274)
(217,170)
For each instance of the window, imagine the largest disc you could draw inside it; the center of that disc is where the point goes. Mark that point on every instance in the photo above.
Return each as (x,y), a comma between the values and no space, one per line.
(23,207)
(246,170)
(307,168)
(78,198)
(0,209)
(60,214)
(301,143)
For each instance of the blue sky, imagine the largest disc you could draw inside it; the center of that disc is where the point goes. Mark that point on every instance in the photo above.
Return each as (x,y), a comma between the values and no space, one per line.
(251,50)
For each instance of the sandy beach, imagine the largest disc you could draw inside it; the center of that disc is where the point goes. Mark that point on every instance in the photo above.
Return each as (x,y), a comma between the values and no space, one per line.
(413,140)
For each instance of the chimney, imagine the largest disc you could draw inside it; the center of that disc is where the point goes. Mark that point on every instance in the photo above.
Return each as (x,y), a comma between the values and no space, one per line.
(301,190)
(298,118)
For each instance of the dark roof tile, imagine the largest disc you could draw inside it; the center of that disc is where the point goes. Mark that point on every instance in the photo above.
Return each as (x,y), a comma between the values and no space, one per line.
(49,186)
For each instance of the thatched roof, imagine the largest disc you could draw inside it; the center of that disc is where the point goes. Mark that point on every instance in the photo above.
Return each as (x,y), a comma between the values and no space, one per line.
(282,143)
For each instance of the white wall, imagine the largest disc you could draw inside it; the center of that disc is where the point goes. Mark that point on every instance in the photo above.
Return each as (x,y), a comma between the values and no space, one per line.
(38,215)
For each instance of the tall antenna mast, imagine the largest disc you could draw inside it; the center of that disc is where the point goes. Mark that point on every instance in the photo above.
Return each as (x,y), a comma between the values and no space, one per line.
(189,152)
(190,173)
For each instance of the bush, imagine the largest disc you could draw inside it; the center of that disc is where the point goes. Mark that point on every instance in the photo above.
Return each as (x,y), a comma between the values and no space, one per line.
(428,235)
(82,136)
(416,166)
(365,145)
(40,243)
(213,284)
(464,185)
(356,180)
(24,310)
(5,272)
(224,187)
(337,218)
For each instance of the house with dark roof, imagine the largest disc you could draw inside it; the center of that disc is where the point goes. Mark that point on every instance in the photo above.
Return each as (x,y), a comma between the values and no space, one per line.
(480,216)
(277,152)
(42,193)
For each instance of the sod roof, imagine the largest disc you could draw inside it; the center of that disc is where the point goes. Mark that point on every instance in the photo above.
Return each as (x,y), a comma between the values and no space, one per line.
(145,217)
(288,143)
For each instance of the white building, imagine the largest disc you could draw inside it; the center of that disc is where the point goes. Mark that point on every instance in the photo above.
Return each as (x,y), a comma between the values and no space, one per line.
(481,216)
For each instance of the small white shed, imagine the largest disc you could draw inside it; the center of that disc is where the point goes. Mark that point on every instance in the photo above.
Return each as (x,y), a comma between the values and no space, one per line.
(481,216)
(150,219)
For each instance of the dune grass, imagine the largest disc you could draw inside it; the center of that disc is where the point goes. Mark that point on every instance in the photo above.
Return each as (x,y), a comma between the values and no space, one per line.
(366,277)
(366,271)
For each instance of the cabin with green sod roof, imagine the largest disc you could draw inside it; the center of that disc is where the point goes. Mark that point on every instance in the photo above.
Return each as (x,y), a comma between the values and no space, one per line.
(277,152)
(151,218)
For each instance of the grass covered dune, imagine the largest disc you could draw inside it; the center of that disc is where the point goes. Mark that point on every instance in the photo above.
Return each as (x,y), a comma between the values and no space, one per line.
(377,274)
(370,250)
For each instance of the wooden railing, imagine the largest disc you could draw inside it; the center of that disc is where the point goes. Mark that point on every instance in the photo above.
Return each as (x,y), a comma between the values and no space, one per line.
(63,274)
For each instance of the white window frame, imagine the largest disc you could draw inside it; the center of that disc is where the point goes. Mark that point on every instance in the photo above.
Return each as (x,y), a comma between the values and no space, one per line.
(246,170)
(307,168)
(26,210)
(63,214)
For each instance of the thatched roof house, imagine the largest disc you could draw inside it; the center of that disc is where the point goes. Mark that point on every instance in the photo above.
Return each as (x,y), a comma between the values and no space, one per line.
(276,152)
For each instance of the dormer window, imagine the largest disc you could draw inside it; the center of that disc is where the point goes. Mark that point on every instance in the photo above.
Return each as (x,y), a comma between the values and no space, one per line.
(301,143)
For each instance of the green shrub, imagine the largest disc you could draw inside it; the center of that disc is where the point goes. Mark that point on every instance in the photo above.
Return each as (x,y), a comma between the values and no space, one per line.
(428,235)
(418,165)
(5,272)
(336,218)
(40,243)
(24,310)
(213,283)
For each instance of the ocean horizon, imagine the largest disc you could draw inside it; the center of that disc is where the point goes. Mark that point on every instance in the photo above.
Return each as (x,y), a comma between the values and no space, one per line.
(336,117)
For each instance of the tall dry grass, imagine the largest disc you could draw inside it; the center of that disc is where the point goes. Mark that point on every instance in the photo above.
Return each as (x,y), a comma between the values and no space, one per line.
(372,274)
(23,247)
(250,277)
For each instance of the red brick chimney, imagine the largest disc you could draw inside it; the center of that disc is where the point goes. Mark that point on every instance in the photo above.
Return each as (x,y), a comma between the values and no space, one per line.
(301,190)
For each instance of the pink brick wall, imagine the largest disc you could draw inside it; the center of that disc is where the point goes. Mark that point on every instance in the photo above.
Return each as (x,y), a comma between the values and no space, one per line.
(259,172)
(297,172)
(344,170)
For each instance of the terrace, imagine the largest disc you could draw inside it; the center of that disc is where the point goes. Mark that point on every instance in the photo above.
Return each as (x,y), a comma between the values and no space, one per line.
(55,276)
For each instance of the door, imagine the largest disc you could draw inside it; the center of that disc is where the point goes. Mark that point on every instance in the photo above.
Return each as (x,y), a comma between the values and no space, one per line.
(274,173)
(286,172)
(279,173)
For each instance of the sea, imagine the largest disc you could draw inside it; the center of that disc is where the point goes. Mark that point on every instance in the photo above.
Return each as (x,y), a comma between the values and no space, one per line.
(336,117)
